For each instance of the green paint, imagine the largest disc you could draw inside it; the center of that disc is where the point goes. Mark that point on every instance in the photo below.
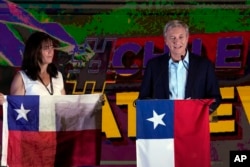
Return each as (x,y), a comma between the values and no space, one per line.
(151,18)
(40,15)
(219,20)
(117,22)
(77,32)
(15,31)
(3,62)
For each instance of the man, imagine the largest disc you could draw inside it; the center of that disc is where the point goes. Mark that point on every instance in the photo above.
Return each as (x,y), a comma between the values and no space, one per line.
(179,74)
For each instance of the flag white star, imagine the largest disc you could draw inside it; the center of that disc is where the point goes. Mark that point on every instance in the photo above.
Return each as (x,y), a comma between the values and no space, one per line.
(22,113)
(157,119)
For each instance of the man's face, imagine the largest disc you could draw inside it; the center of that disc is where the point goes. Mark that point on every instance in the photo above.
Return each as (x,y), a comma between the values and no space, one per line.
(176,39)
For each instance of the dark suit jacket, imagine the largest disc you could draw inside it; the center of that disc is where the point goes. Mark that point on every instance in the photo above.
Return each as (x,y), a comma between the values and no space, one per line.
(201,80)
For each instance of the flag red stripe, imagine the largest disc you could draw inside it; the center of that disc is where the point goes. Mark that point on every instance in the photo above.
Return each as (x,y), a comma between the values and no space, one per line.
(78,148)
(65,148)
(191,133)
(31,148)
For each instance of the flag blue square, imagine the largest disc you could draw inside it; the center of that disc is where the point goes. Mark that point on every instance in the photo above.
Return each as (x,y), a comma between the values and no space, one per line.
(23,113)
(150,110)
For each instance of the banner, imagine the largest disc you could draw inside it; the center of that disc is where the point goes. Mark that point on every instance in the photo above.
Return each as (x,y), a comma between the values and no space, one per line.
(51,130)
(173,133)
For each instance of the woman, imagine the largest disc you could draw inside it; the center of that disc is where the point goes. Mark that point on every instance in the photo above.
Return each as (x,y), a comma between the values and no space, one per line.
(38,74)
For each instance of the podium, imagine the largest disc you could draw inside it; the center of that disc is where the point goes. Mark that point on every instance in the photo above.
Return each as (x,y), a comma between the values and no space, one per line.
(173,133)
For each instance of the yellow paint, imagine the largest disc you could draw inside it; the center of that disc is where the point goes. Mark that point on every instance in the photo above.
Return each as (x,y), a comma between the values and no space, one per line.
(74,82)
(222,126)
(128,98)
(109,125)
(244,93)
(223,110)
(227,92)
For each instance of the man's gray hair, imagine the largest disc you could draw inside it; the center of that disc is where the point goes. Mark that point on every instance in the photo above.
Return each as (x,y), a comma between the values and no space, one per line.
(175,23)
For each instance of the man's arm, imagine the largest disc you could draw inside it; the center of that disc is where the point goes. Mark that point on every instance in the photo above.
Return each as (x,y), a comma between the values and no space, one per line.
(213,89)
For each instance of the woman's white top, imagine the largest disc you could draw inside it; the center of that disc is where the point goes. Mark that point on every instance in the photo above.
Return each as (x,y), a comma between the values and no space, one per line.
(37,88)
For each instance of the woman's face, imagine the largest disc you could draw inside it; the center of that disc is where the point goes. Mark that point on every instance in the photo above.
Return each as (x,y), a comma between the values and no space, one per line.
(47,52)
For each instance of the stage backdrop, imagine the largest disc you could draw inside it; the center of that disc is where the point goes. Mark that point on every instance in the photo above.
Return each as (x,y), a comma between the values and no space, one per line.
(104,48)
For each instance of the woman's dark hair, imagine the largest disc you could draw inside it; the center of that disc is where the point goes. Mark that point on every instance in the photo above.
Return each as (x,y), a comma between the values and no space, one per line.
(32,56)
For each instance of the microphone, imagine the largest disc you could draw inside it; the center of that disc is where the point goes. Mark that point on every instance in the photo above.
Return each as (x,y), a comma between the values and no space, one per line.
(182,60)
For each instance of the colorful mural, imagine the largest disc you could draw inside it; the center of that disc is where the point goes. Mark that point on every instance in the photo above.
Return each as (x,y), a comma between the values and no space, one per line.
(105,48)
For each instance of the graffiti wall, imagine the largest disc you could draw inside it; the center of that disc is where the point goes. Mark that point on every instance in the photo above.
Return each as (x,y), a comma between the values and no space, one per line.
(104,47)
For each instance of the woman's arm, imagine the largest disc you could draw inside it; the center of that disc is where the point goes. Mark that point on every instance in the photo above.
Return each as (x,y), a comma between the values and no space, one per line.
(1,98)
(63,91)
(17,85)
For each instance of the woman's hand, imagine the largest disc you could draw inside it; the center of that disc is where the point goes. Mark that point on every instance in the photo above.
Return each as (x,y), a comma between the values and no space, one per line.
(1,98)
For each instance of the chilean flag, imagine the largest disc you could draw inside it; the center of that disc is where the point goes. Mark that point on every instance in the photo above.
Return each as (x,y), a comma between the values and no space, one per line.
(48,131)
(172,133)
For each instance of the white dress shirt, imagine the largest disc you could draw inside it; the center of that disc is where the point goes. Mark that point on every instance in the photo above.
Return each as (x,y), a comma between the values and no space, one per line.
(177,77)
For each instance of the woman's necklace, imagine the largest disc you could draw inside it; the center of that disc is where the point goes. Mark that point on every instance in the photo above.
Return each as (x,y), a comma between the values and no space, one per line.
(51,85)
